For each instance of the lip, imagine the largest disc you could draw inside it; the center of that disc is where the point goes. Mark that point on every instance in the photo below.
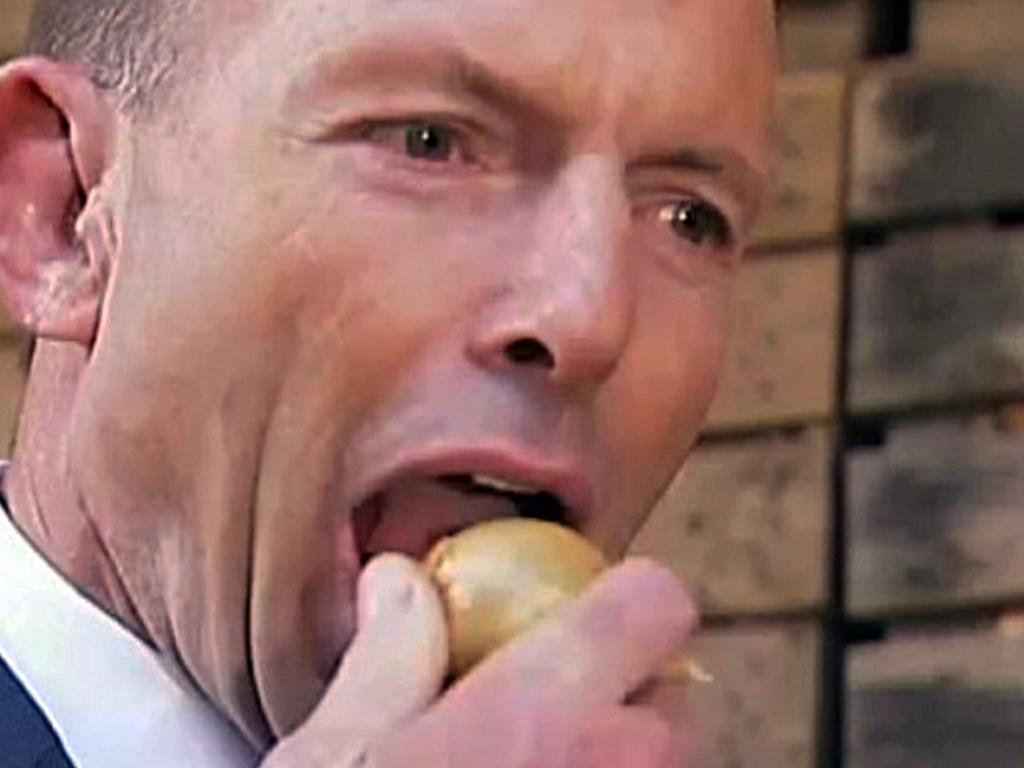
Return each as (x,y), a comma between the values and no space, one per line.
(565,479)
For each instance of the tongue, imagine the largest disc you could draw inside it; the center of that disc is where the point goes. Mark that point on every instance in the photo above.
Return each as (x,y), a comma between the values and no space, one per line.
(412,516)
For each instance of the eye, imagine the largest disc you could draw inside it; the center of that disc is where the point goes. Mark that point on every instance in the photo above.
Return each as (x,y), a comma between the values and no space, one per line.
(420,140)
(429,141)
(698,222)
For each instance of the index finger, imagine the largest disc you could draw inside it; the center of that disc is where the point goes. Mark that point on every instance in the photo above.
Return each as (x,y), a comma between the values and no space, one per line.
(615,637)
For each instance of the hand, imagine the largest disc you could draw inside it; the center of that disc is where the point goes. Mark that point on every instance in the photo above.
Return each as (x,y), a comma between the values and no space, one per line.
(553,698)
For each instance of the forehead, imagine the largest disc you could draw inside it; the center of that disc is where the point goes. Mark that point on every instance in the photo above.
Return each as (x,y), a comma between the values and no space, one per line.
(659,65)
(580,33)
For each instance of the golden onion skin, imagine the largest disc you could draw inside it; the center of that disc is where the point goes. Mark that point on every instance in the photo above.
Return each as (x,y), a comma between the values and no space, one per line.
(499,578)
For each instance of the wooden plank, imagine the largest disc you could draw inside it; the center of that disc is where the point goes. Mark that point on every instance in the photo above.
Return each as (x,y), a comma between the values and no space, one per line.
(941,699)
(938,316)
(968,29)
(936,516)
(760,711)
(782,362)
(805,200)
(14,18)
(12,384)
(744,524)
(822,34)
(927,140)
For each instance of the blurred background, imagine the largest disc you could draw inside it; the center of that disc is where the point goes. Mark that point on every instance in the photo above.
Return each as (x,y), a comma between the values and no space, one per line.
(853,520)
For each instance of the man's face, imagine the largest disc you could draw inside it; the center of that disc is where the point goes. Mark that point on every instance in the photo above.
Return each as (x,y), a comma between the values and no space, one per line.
(381,251)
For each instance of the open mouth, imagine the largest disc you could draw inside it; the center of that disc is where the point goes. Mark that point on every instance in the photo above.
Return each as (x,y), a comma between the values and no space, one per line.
(412,513)
(528,502)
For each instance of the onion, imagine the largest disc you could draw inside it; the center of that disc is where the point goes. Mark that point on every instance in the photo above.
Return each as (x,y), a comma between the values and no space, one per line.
(499,578)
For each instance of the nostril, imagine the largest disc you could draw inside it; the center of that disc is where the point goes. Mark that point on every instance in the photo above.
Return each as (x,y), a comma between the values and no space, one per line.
(529,352)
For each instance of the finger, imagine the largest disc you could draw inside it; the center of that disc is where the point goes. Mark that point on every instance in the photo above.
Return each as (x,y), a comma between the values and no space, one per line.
(671,701)
(633,737)
(618,635)
(397,662)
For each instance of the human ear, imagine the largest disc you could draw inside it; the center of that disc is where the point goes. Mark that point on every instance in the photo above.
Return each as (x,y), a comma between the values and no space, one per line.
(55,131)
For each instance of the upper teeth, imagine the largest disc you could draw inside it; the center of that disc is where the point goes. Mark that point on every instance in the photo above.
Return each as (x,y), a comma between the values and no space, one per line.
(497,484)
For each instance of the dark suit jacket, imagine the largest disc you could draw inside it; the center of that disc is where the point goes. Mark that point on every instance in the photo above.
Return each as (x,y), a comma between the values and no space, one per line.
(26,738)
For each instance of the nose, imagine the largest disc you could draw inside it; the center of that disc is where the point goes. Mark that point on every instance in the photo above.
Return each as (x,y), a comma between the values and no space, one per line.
(566,308)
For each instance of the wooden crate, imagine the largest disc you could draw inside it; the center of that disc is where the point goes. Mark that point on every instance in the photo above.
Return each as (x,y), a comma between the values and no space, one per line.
(782,362)
(938,699)
(760,710)
(804,203)
(937,317)
(822,34)
(968,29)
(929,140)
(14,17)
(745,524)
(12,385)
(936,515)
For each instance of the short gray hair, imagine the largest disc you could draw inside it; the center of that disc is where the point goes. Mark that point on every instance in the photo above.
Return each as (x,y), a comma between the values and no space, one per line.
(125,44)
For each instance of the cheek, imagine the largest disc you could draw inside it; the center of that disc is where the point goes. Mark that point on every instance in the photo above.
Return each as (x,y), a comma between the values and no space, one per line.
(167,429)
(677,359)
(659,398)
(384,282)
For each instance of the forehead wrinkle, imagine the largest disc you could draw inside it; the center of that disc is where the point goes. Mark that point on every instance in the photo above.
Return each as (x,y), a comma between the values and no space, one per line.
(415,57)
(401,59)
(590,73)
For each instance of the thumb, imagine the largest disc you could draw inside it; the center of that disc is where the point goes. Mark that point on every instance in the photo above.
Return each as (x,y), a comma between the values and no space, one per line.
(397,662)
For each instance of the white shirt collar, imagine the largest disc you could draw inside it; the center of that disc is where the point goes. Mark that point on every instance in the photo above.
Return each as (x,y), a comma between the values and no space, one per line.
(107,695)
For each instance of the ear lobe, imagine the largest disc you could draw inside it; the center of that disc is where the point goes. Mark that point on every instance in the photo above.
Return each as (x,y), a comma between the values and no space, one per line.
(54,139)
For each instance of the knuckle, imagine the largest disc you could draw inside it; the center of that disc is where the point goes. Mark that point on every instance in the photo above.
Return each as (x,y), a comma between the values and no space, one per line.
(659,739)
(543,728)
(662,745)
(640,737)
(518,724)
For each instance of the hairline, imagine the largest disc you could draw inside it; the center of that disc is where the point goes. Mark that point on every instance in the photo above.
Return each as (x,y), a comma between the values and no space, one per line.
(130,48)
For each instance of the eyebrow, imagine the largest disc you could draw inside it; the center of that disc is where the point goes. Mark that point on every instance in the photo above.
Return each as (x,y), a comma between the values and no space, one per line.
(410,58)
(726,164)
(688,159)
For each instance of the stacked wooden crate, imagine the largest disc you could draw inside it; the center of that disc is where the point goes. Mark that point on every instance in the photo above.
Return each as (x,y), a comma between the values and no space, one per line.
(934,465)
(14,16)
(747,524)
(853,525)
